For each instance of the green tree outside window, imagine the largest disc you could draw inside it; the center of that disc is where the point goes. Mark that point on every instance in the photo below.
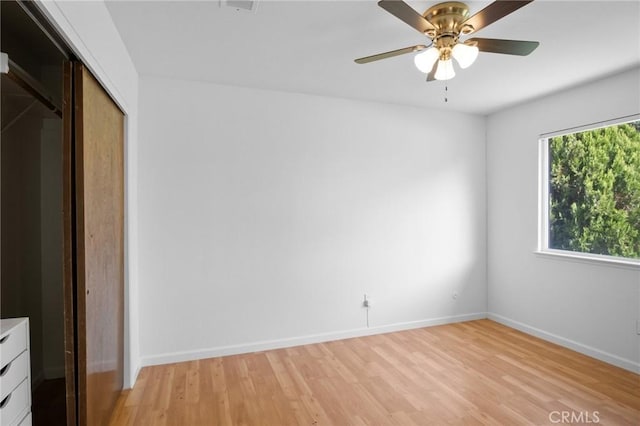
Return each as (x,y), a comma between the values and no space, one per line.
(594,191)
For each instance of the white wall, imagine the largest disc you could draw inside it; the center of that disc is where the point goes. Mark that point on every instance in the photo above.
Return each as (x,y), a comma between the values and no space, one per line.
(51,249)
(21,229)
(588,306)
(265,216)
(89,30)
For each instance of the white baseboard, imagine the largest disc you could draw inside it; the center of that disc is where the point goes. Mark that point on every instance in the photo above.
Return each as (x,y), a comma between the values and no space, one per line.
(46,373)
(53,372)
(37,379)
(627,364)
(169,358)
(134,376)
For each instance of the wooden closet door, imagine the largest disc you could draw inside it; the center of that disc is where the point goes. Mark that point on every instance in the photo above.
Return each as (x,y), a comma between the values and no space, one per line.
(99,157)
(68,241)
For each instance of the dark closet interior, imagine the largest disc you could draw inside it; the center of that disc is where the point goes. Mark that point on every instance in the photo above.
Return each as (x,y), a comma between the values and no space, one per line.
(31,203)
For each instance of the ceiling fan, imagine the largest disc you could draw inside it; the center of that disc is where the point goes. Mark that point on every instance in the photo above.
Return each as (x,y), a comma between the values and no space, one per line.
(444,24)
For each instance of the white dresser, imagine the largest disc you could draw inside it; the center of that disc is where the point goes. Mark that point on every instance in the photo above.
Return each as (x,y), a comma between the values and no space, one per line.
(15,373)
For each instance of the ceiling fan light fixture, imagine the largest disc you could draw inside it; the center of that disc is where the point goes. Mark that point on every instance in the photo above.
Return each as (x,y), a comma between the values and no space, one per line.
(444,23)
(424,60)
(464,54)
(445,70)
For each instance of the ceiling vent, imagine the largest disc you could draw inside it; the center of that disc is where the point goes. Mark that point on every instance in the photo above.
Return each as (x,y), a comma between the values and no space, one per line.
(248,5)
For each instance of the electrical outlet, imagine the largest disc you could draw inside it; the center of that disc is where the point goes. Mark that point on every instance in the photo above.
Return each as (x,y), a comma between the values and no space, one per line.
(638,327)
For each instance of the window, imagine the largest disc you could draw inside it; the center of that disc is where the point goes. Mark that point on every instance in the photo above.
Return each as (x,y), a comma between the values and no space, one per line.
(590,192)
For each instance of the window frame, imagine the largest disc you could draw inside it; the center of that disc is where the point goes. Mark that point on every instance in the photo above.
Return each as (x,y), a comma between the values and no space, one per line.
(543,248)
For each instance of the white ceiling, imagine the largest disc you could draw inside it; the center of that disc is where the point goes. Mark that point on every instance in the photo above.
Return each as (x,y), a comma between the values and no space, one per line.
(309,47)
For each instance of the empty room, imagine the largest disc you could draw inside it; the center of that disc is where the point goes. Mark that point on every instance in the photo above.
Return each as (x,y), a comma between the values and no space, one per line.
(323,212)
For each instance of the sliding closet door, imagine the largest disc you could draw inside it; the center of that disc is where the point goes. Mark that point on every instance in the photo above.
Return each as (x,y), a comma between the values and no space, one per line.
(68,235)
(99,156)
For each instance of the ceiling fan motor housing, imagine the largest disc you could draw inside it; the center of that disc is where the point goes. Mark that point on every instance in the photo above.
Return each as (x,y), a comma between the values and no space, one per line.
(447,18)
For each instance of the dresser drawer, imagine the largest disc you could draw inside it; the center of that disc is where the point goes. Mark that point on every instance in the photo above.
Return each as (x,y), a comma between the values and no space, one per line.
(13,343)
(15,405)
(12,374)
(26,421)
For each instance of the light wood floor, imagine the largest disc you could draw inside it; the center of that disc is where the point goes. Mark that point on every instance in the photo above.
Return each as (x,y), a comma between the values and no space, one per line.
(477,372)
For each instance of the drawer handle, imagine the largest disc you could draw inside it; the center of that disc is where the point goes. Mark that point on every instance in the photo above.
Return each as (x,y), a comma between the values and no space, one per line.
(4,339)
(4,369)
(5,401)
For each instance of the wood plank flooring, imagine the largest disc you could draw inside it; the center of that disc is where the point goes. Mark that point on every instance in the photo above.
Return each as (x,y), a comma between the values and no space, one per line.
(477,372)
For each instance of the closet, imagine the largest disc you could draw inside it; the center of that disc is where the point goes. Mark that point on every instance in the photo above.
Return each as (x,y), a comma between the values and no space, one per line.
(61,220)
(31,203)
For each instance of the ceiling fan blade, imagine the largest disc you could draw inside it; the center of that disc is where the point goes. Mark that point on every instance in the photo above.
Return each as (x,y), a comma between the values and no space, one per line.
(407,14)
(493,12)
(432,74)
(508,47)
(390,54)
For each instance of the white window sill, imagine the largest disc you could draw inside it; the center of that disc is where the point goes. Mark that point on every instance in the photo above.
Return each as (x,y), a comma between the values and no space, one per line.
(593,259)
